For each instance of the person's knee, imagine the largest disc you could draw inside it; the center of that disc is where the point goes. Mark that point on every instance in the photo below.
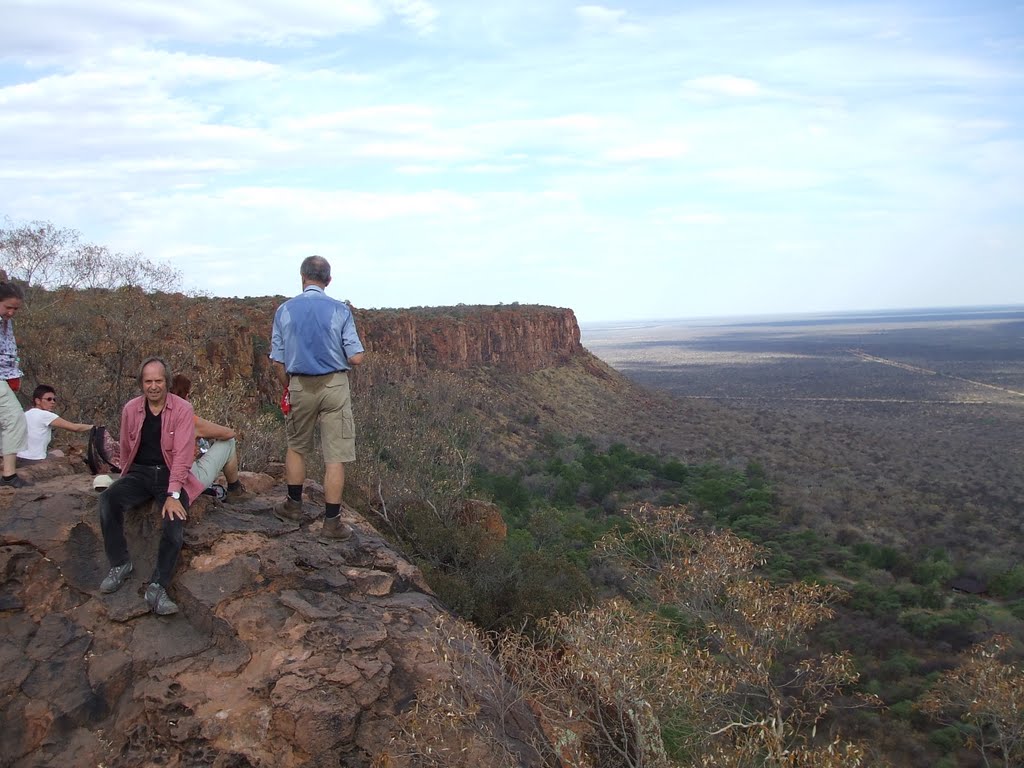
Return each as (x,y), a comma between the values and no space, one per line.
(110,502)
(105,508)
(174,531)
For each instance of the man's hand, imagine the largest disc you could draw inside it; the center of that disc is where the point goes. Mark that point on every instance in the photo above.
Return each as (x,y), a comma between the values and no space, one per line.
(173,510)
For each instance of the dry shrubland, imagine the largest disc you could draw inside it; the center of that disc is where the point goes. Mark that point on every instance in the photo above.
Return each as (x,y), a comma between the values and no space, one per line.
(725,681)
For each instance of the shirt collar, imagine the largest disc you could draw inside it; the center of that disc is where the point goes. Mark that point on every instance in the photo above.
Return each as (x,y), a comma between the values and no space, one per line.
(309,288)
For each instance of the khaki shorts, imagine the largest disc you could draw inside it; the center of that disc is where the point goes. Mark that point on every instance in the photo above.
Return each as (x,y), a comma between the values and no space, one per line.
(13,429)
(209,465)
(324,399)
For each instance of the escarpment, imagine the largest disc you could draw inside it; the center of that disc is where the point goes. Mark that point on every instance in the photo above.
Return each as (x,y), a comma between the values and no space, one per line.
(510,339)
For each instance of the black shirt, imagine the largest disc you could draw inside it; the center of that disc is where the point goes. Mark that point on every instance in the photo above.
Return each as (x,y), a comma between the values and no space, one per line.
(149,454)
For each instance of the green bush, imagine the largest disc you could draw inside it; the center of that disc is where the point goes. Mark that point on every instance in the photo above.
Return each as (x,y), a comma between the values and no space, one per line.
(934,568)
(875,601)
(506,491)
(884,558)
(954,626)
(1017,609)
(904,710)
(674,471)
(947,739)
(1009,584)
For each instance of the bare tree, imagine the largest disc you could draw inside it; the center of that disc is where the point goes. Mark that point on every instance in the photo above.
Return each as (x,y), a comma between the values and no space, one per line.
(987,695)
(92,315)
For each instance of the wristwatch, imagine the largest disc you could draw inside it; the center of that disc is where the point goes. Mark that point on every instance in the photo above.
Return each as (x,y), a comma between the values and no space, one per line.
(176,495)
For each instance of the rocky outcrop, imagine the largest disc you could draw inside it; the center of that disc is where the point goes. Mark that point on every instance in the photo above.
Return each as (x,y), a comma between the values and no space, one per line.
(516,339)
(88,344)
(288,651)
(512,339)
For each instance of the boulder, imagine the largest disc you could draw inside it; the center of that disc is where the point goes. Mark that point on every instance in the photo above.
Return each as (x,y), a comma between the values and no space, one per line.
(287,650)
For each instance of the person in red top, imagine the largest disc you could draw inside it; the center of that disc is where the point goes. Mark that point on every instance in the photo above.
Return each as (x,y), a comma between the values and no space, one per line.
(157,443)
(220,456)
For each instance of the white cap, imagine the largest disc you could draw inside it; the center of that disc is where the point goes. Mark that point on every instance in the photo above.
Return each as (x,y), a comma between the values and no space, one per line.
(101,481)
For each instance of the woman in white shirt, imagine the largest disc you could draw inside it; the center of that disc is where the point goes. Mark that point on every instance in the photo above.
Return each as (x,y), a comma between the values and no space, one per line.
(40,420)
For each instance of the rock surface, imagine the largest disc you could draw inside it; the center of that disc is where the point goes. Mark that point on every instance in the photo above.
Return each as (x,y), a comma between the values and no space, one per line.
(287,651)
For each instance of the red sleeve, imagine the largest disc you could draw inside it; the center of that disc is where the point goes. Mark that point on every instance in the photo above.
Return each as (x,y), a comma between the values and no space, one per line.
(122,439)
(182,447)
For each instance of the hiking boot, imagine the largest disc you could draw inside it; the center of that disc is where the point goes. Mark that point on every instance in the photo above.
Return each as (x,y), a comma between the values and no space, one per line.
(15,482)
(289,510)
(117,576)
(238,495)
(158,601)
(335,529)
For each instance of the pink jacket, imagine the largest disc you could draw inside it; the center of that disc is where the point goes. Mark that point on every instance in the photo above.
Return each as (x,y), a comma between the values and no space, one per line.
(177,441)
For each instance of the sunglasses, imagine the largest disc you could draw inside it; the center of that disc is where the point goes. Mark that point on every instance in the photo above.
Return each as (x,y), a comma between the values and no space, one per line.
(50,399)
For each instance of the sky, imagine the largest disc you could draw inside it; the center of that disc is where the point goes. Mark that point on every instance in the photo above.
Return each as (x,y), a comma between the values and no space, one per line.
(636,160)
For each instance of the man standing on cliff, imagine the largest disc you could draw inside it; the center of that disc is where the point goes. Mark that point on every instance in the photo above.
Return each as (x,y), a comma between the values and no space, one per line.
(157,442)
(313,346)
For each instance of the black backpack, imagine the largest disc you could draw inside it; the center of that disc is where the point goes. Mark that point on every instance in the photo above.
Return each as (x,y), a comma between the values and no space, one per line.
(101,453)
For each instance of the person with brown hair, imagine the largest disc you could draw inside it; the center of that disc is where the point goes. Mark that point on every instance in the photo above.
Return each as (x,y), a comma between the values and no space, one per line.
(13,429)
(222,453)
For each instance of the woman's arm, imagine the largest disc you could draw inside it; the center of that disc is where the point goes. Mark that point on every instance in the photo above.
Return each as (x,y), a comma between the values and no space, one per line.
(70,425)
(212,431)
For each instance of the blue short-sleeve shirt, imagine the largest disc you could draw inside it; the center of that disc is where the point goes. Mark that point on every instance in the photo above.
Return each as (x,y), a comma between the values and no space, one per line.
(314,334)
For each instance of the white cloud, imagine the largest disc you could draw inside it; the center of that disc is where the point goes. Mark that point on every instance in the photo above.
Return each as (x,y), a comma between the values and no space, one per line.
(723,85)
(418,14)
(701,217)
(345,204)
(769,178)
(412,150)
(54,29)
(665,149)
(396,119)
(609,20)
(599,14)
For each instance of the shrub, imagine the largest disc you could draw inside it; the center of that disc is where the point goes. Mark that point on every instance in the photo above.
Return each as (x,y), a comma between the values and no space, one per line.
(1008,584)
(947,739)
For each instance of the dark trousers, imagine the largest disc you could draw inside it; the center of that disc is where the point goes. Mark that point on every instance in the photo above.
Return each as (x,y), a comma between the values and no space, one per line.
(139,485)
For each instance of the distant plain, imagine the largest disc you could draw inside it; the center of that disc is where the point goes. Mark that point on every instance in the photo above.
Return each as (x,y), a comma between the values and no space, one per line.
(902,427)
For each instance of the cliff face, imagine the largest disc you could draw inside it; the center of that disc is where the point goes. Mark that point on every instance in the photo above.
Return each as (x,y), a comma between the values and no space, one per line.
(513,339)
(89,343)
(235,338)
(516,339)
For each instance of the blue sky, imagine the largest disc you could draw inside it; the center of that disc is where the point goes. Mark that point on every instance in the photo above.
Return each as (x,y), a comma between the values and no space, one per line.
(628,160)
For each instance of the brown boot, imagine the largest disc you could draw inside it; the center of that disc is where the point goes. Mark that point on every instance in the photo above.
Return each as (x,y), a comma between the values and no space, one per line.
(335,529)
(288,510)
(238,495)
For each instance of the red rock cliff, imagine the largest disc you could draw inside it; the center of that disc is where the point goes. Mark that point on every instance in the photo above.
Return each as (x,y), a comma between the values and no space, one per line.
(88,343)
(517,339)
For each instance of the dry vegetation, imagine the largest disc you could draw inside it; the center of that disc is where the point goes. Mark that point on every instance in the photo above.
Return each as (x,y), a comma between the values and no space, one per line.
(726,681)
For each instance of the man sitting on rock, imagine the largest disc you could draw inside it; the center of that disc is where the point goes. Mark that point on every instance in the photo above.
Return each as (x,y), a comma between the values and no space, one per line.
(220,456)
(40,420)
(157,444)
